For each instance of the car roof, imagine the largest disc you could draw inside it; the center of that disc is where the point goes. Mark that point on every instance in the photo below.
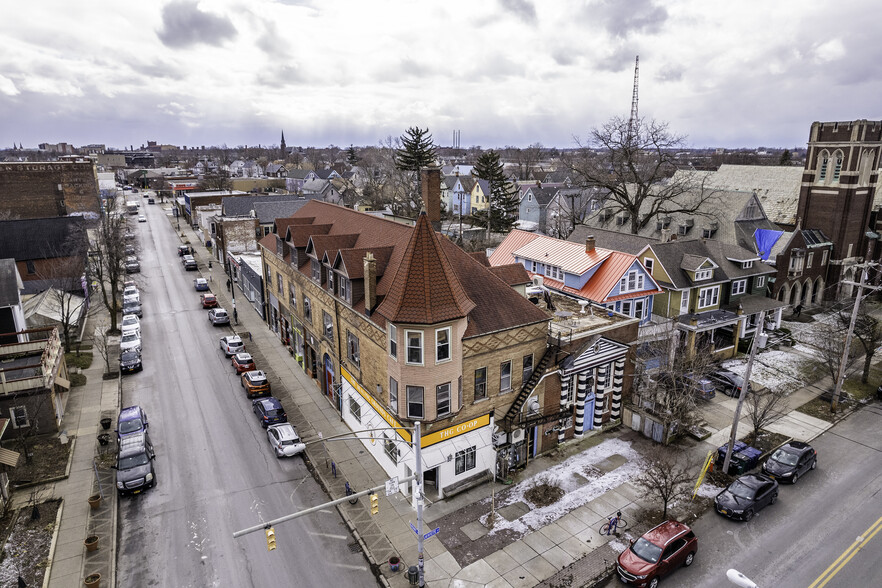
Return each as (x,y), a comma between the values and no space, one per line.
(286,430)
(233,339)
(662,534)
(753,480)
(796,446)
(255,374)
(270,402)
(134,443)
(130,412)
(218,310)
(201,280)
(243,356)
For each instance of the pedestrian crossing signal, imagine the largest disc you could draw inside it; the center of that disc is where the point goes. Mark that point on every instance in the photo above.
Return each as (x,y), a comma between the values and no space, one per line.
(375,504)
(270,539)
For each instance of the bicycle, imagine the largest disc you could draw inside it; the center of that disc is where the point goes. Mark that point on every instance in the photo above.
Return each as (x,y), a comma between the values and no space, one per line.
(613,524)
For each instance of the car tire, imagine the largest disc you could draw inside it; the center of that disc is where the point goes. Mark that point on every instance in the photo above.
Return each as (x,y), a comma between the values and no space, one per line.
(653,583)
(689,559)
(774,498)
(795,477)
(748,515)
(815,463)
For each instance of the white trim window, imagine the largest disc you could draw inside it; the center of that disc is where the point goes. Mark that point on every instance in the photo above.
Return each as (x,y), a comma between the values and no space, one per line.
(708,296)
(442,399)
(809,259)
(739,287)
(352,349)
(704,274)
(747,264)
(393,395)
(760,281)
(18,416)
(465,460)
(684,302)
(414,347)
(345,289)
(627,307)
(640,308)
(505,376)
(631,282)
(355,409)
(647,263)
(442,345)
(328,324)
(316,271)
(393,341)
(415,408)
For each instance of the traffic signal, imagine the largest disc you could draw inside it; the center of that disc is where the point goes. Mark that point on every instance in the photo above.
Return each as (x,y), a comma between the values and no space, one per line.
(270,539)
(375,504)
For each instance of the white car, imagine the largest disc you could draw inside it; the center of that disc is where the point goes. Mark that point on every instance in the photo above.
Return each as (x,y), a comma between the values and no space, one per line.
(130,320)
(131,341)
(231,345)
(142,219)
(284,440)
(130,289)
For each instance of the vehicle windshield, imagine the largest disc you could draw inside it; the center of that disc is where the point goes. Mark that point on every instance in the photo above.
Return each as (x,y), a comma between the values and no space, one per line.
(133,461)
(130,426)
(129,337)
(129,356)
(741,490)
(784,457)
(274,412)
(646,550)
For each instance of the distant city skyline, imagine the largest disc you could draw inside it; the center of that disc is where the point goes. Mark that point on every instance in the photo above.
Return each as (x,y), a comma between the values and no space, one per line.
(505,72)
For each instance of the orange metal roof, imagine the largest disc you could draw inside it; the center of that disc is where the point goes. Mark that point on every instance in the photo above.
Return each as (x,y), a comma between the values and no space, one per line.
(571,257)
(504,254)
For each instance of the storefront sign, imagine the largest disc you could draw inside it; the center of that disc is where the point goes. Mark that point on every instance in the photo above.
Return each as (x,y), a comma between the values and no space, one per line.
(455,431)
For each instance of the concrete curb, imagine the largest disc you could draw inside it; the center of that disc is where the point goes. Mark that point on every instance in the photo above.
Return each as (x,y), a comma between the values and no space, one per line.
(55,531)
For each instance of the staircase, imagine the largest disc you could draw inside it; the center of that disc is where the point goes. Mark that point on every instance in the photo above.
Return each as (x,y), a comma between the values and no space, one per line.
(511,416)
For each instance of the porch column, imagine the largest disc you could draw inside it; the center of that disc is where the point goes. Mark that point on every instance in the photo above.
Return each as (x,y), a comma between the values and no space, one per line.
(618,379)
(564,395)
(581,394)
(599,395)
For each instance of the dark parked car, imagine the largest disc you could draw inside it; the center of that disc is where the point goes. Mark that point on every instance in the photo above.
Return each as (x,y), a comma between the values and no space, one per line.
(269,411)
(660,551)
(790,461)
(729,382)
(130,361)
(132,308)
(746,496)
(133,267)
(134,465)
(151,201)
(183,250)
(132,419)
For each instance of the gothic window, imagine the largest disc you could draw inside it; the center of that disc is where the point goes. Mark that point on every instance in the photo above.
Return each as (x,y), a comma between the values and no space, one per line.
(837,165)
(824,159)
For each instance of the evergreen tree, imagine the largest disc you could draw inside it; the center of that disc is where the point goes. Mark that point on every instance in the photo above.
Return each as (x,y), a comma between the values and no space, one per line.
(417,150)
(786,156)
(351,156)
(503,197)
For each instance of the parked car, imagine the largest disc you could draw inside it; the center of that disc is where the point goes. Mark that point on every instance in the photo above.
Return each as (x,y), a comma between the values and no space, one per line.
(136,329)
(269,411)
(729,382)
(131,297)
(130,288)
(129,362)
(142,218)
(151,201)
(129,320)
(133,267)
(183,250)
(209,301)
(132,308)
(130,250)
(201,284)
(790,461)
(134,464)
(255,383)
(231,344)
(660,551)
(284,440)
(218,316)
(130,341)
(746,496)
(189,263)
(131,420)
(243,362)
(129,235)
(701,387)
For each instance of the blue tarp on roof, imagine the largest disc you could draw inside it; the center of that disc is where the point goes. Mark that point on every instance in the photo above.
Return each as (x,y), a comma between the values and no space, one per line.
(765,240)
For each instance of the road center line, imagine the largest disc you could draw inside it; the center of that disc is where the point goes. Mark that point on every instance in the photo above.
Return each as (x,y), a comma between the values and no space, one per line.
(849,553)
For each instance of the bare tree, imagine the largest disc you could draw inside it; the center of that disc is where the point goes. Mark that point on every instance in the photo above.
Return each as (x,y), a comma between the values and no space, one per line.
(101,342)
(635,163)
(868,332)
(107,261)
(765,406)
(666,476)
(829,342)
(217,179)
(64,275)
(525,159)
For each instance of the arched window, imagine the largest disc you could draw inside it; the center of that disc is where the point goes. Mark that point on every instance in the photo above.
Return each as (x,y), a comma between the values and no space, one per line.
(823,160)
(865,167)
(837,165)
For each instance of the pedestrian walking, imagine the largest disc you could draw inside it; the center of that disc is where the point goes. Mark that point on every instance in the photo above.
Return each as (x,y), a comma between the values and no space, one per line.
(797,310)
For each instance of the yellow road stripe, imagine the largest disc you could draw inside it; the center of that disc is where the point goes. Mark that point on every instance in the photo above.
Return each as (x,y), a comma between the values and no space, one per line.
(843,559)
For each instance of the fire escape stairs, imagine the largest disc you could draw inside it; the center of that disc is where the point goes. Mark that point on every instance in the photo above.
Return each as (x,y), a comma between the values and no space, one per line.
(514,411)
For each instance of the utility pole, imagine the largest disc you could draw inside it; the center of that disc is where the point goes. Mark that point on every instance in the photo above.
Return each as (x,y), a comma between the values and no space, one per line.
(834,403)
(419,500)
(744,390)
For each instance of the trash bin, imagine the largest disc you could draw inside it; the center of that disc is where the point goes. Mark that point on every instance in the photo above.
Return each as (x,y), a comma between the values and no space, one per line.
(413,575)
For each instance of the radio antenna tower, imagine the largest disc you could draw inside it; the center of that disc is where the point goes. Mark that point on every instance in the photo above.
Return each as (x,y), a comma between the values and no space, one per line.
(632,122)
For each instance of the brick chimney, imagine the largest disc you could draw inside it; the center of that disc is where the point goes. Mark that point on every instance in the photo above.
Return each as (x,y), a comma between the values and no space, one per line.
(589,244)
(370,282)
(430,179)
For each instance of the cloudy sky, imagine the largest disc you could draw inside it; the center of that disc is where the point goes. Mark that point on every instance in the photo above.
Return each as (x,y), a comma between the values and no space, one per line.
(503,72)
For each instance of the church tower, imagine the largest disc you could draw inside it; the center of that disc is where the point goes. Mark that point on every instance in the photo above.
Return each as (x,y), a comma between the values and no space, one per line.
(838,190)
(284,147)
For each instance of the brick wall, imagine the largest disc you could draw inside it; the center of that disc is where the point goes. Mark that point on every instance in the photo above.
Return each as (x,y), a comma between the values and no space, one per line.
(42,190)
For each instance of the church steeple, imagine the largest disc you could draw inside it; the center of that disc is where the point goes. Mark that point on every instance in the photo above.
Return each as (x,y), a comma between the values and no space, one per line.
(283,146)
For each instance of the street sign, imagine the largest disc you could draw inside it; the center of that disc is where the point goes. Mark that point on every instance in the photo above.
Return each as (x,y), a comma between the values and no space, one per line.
(414,529)
(392,486)
(431,533)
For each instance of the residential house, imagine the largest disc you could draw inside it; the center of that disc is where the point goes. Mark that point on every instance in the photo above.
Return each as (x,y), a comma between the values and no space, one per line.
(713,293)
(480,196)
(801,259)
(47,251)
(327,174)
(461,195)
(615,280)
(568,208)
(276,170)
(396,324)
(266,208)
(321,189)
(614,240)
(297,177)
(533,208)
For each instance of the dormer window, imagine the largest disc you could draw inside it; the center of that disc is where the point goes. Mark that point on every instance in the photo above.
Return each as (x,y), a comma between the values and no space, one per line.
(330,281)
(631,282)
(345,287)
(316,271)
(703,274)
(747,264)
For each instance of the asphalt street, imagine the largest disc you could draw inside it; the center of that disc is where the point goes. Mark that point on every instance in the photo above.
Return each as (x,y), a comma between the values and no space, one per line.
(215,470)
(819,534)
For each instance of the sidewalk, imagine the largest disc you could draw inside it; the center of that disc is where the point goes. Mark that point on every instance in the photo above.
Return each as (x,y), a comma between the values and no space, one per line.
(564,549)
(69,561)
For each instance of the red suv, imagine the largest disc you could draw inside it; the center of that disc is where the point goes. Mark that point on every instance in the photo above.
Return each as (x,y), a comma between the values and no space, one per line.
(659,552)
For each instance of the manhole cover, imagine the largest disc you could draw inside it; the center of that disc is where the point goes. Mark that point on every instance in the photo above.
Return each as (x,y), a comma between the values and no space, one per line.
(355,547)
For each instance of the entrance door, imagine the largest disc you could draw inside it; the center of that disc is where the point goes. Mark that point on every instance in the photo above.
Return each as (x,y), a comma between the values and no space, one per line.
(430,483)
(532,441)
(328,382)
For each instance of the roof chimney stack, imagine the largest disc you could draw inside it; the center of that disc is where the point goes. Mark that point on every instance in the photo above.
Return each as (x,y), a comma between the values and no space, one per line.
(589,244)
(430,179)
(370,282)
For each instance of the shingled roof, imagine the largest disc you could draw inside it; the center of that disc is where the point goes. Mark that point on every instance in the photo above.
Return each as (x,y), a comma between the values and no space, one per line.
(41,238)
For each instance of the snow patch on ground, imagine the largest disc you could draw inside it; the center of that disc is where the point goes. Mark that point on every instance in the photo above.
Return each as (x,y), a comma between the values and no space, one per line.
(577,492)
(708,490)
(775,369)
